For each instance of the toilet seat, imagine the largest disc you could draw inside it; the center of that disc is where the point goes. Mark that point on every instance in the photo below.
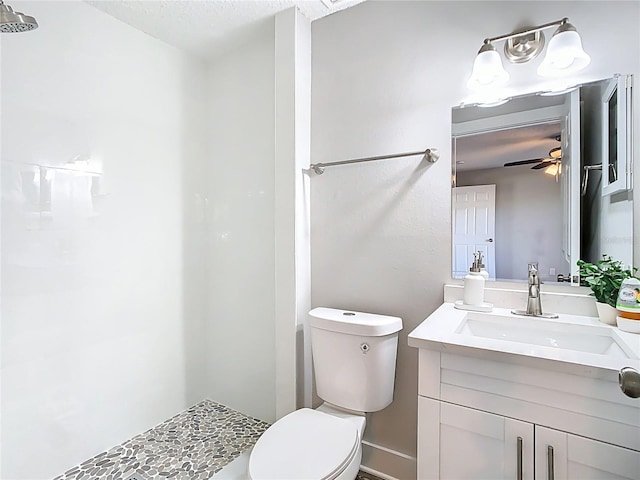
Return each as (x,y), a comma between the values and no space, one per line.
(306,444)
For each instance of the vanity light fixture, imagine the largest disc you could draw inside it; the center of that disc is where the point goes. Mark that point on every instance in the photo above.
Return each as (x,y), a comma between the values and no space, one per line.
(564,54)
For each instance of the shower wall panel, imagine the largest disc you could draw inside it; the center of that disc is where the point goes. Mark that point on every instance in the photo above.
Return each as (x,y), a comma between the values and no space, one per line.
(100,226)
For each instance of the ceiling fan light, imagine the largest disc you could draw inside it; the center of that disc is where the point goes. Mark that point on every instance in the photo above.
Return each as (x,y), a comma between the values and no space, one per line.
(553,169)
(487,69)
(565,54)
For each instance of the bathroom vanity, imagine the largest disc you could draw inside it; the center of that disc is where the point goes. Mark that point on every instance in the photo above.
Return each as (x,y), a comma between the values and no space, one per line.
(504,396)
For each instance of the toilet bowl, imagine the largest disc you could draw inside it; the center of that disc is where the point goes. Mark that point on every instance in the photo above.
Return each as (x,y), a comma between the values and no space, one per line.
(354,357)
(321,444)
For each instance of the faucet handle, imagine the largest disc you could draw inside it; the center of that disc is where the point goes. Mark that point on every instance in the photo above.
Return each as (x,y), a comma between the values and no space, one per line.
(532,266)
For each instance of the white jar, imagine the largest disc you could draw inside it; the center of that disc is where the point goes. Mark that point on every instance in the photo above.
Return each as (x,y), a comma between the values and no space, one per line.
(473,289)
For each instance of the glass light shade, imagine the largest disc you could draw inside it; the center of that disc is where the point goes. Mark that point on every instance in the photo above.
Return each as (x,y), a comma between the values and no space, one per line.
(487,69)
(564,55)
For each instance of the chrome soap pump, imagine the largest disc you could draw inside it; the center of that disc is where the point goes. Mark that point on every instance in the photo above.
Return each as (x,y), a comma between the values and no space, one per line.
(474,283)
(483,270)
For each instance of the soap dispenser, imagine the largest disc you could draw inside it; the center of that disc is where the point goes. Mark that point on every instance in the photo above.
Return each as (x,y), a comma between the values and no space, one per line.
(474,284)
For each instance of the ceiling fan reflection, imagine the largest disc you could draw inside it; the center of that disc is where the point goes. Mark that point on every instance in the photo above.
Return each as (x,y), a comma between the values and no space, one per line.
(555,156)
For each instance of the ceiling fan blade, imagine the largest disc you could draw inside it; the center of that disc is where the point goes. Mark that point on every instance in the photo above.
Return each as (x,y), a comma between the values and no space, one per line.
(542,165)
(523,162)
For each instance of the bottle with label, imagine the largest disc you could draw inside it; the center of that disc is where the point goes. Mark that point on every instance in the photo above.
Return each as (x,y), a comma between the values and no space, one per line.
(628,302)
(474,284)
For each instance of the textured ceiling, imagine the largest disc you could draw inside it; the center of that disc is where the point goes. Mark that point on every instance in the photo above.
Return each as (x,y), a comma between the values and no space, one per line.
(494,149)
(207,28)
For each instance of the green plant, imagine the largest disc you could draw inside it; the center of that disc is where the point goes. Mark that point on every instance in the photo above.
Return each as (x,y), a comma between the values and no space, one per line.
(605,278)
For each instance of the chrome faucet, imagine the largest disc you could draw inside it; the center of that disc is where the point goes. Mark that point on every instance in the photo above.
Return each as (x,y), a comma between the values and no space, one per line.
(534,305)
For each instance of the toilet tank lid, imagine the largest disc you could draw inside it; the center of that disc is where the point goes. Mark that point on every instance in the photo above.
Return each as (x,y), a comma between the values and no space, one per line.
(354,323)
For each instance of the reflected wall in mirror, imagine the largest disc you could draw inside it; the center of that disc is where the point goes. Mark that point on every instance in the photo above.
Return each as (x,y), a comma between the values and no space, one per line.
(528,183)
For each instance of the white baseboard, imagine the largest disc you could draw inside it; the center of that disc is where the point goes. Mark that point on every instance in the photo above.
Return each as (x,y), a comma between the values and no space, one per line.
(387,463)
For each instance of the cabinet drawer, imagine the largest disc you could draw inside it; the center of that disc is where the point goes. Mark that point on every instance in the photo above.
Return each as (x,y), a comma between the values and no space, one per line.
(590,406)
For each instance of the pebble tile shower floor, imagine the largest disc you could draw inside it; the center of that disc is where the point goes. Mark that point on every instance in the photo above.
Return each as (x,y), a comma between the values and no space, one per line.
(194,444)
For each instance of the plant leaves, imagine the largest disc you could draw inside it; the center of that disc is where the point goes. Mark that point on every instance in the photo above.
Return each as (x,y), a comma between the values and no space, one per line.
(605,278)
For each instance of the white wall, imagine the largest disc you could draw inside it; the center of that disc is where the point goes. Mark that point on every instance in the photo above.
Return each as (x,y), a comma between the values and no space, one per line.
(385,76)
(258,242)
(616,235)
(292,233)
(240,337)
(528,220)
(100,299)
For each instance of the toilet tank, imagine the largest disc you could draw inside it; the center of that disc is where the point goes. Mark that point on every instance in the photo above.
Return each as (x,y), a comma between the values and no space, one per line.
(354,357)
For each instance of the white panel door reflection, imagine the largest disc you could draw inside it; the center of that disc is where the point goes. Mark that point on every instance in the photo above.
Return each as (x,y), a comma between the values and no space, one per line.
(474,228)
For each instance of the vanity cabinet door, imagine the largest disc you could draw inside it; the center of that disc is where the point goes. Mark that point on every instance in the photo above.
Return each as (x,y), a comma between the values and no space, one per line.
(561,456)
(456,443)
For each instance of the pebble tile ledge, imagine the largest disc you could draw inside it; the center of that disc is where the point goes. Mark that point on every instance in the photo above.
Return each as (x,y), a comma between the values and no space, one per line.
(194,444)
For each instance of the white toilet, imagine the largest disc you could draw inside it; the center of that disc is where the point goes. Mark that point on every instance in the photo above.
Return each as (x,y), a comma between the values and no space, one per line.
(354,359)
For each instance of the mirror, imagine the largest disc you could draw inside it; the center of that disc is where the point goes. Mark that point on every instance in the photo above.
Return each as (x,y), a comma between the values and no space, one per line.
(529,182)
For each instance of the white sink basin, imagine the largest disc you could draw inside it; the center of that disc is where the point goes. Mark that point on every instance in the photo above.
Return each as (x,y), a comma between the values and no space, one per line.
(574,341)
(593,339)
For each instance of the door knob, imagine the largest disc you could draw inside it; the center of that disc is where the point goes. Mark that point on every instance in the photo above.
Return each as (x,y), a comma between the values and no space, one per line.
(490,240)
(629,380)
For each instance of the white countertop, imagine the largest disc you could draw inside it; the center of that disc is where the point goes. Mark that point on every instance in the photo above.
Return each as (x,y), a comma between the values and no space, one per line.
(443,331)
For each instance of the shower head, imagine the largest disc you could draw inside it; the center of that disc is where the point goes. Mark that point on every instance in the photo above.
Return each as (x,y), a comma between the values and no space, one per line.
(12,22)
